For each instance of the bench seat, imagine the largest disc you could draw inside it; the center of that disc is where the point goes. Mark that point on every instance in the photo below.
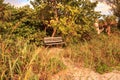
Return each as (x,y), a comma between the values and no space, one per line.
(53,41)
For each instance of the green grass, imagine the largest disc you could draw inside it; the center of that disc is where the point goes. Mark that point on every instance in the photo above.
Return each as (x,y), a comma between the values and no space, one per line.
(101,54)
(23,61)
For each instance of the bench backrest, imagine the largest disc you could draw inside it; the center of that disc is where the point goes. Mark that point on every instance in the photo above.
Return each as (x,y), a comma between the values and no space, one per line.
(52,40)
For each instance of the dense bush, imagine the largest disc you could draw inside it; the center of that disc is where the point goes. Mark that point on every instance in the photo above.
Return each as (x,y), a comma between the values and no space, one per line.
(22,30)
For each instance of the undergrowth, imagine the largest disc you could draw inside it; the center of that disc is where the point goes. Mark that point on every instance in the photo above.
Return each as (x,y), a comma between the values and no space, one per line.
(101,54)
(20,60)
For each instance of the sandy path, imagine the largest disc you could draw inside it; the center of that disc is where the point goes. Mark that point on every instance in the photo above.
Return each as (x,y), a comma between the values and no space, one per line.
(80,73)
(74,72)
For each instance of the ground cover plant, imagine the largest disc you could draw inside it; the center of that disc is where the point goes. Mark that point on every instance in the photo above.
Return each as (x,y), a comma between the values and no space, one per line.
(23,55)
(21,60)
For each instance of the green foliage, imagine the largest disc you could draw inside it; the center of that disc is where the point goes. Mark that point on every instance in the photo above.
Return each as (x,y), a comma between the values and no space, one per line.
(64,18)
(22,31)
(67,17)
(101,53)
(54,64)
(21,60)
(21,24)
(115,8)
(102,67)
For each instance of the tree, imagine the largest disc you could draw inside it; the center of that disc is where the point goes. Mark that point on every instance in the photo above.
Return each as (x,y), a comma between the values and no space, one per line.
(5,11)
(115,4)
(69,17)
(5,17)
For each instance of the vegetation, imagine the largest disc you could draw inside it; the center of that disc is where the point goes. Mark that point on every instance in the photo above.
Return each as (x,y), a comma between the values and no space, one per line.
(101,53)
(22,54)
(115,8)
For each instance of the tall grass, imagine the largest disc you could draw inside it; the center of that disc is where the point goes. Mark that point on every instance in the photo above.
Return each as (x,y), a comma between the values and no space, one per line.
(101,54)
(20,60)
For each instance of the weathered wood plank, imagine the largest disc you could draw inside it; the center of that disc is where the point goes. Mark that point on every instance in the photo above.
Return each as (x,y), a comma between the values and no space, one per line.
(53,40)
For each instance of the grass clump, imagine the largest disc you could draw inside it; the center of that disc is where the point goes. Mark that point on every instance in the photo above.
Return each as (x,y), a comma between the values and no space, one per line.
(20,60)
(101,54)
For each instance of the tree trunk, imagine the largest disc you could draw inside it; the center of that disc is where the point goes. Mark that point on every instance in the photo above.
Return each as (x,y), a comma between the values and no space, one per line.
(118,23)
(55,29)
(56,18)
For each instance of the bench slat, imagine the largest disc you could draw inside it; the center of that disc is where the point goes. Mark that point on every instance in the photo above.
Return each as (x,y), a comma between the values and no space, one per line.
(55,43)
(53,40)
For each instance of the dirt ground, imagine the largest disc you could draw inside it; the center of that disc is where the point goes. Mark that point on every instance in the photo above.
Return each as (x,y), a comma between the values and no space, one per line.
(80,73)
(74,72)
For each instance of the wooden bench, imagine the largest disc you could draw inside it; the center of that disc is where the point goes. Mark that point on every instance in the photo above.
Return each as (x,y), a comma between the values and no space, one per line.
(49,41)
